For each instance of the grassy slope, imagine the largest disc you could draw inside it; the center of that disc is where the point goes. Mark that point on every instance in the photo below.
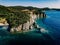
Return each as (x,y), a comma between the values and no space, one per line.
(13,16)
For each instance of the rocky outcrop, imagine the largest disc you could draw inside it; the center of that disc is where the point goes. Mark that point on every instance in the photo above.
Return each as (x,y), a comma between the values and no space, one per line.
(3,24)
(29,24)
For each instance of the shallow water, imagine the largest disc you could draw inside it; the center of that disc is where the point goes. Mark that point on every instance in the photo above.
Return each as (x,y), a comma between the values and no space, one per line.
(49,36)
(52,23)
(28,38)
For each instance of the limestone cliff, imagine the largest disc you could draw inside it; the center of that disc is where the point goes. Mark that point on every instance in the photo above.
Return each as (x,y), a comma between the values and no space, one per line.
(29,24)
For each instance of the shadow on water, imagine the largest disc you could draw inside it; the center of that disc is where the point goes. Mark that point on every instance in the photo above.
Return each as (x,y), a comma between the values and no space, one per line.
(29,38)
(32,39)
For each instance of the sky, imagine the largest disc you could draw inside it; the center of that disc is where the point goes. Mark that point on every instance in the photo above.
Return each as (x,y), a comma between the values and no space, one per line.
(34,3)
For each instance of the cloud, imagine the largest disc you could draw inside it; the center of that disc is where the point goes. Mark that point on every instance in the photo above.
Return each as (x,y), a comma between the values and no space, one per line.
(35,3)
(29,0)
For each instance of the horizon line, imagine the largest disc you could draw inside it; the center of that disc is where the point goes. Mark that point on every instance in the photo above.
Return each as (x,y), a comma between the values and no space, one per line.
(30,6)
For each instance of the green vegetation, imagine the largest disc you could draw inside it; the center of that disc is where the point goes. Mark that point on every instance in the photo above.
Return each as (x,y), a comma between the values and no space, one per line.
(15,16)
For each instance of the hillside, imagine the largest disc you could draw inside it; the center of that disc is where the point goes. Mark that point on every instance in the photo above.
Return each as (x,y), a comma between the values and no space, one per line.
(20,15)
(13,16)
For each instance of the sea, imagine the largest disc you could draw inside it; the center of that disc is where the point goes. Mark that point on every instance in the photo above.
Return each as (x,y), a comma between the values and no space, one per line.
(51,24)
(49,35)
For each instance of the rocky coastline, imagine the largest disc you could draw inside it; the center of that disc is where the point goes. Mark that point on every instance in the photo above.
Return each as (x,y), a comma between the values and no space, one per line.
(29,24)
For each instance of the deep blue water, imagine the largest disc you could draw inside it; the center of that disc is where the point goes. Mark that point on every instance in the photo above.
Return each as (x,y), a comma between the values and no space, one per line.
(49,36)
(52,24)
(53,21)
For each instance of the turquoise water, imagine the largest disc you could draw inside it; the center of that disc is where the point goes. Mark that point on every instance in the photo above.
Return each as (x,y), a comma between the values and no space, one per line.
(52,23)
(49,36)
(28,38)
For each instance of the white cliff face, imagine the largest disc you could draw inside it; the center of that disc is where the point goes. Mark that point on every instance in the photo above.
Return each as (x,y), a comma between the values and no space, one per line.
(28,25)
(32,18)
(16,28)
(19,28)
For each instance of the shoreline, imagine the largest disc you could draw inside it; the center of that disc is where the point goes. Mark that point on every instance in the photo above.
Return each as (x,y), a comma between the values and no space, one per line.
(29,24)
